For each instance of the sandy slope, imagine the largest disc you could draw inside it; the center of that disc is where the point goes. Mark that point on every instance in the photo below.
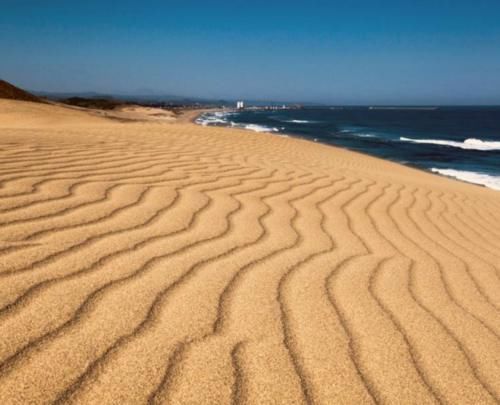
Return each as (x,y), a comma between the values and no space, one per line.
(171,263)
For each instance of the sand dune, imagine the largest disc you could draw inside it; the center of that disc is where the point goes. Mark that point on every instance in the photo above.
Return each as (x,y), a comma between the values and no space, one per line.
(11,92)
(170,263)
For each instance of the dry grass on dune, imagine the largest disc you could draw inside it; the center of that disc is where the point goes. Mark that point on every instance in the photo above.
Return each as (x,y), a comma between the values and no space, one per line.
(169,263)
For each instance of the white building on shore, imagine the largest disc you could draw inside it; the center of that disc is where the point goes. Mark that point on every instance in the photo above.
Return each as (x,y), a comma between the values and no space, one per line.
(240,105)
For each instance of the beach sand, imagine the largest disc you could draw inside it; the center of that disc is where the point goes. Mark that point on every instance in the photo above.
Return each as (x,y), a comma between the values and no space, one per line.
(165,262)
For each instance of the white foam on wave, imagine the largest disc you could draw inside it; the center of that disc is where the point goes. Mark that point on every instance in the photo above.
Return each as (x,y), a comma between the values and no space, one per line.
(356,133)
(214,118)
(259,128)
(206,120)
(210,121)
(469,144)
(487,180)
(301,121)
(253,127)
(222,118)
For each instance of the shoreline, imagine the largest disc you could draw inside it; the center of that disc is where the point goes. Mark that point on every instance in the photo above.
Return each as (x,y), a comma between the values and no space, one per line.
(193,115)
(295,136)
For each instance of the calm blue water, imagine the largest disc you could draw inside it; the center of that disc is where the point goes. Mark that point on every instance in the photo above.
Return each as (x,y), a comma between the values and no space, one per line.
(458,142)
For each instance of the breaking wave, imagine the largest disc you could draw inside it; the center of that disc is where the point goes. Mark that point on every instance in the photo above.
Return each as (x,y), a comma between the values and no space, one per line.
(301,121)
(471,177)
(255,127)
(469,144)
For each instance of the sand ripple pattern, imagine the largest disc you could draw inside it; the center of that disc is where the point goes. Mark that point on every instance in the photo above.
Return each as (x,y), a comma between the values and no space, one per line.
(144,263)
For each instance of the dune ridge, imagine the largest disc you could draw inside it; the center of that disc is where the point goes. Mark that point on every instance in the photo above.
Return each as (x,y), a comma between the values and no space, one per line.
(11,92)
(164,262)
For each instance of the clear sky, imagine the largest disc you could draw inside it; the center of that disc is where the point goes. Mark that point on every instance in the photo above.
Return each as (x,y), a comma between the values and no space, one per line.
(339,52)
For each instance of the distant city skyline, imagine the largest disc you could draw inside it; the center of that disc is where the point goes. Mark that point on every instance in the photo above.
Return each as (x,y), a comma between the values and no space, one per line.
(329,52)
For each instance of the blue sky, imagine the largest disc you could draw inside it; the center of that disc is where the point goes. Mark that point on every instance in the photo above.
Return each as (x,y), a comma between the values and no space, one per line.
(339,52)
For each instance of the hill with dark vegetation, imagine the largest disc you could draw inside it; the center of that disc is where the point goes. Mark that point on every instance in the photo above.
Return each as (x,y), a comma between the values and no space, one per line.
(96,103)
(12,92)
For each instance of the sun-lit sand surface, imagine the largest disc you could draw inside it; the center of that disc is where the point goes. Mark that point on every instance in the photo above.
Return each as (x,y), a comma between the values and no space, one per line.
(170,263)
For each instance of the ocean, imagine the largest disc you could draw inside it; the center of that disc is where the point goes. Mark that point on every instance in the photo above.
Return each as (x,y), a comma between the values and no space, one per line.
(459,142)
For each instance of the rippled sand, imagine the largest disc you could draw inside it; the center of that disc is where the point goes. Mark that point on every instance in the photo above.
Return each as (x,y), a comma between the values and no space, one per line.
(171,263)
